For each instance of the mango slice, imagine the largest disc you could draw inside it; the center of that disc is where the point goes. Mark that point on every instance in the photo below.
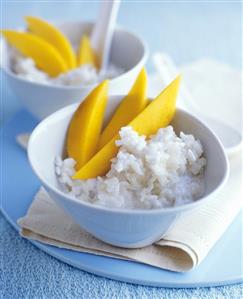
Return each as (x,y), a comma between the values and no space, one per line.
(53,36)
(44,54)
(85,126)
(86,54)
(157,114)
(130,107)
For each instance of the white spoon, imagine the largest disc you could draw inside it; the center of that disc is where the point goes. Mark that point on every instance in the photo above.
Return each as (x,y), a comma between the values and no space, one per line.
(230,137)
(101,36)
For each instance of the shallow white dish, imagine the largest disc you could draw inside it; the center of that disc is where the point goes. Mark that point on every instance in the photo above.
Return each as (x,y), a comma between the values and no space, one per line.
(128,51)
(229,135)
(125,228)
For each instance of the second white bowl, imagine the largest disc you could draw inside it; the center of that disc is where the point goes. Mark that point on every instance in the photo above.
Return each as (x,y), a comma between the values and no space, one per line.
(128,52)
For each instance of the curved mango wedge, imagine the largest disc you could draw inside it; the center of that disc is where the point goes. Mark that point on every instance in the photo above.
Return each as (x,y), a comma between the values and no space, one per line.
(128,109)
(45,55)
(157,114)
(86,54)
(53,36)
(85,126)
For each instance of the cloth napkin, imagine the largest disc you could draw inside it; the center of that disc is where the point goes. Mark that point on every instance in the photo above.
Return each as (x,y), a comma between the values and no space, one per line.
(182,248)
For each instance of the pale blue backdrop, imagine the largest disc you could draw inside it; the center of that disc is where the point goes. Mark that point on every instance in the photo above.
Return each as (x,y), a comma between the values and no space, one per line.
(188,30)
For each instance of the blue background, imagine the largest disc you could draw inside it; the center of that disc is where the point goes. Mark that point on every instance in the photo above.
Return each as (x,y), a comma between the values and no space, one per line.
(187,31)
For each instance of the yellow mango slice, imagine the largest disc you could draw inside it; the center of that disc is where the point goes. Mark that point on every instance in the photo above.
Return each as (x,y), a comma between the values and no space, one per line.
(53,36)
(157,114)
(130,107)
(44,54)
(86,54)
(85,126)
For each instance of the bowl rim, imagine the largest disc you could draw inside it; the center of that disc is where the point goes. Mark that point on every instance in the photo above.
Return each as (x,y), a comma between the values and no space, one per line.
(118,28)
(176,209)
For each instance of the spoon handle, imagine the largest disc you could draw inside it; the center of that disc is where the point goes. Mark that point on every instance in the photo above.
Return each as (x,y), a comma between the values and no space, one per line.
(168,71)
(102,33)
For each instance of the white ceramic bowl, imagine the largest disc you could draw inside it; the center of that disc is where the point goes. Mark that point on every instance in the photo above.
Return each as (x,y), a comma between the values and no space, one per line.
(128,51)
(125,228)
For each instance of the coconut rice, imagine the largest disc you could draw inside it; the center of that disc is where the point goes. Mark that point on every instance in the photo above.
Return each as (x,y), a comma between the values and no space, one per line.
(25,68)
(162,171)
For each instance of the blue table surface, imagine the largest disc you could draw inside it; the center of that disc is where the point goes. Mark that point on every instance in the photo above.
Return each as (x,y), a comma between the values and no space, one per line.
(188,30)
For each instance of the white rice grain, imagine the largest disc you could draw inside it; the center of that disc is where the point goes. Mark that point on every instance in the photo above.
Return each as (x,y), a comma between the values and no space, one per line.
(162,171)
